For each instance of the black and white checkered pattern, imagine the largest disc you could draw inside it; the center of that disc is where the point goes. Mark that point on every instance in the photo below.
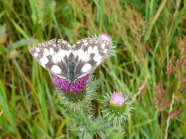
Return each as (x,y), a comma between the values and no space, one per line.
(71,62)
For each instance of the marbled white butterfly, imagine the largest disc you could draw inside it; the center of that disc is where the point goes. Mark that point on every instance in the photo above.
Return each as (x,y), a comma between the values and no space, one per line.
(71,62)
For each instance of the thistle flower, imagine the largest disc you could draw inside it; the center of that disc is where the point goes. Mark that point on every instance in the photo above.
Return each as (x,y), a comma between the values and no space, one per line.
(65,87)
(113,107)
(104,36)
(117,99)
(80,98)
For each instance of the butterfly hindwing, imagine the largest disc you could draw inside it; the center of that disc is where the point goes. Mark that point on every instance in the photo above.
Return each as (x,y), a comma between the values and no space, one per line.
(51,55)
(91,53)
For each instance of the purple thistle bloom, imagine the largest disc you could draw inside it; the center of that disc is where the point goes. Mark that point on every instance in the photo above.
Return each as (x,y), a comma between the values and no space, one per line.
(117,99)
(65,87)
(104,36)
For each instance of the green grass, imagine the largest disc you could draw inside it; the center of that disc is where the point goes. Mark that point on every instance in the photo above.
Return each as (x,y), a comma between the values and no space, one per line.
(145,34)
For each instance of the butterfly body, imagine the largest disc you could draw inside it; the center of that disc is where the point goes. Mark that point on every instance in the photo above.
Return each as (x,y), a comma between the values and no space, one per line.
(71,62)
(73,65)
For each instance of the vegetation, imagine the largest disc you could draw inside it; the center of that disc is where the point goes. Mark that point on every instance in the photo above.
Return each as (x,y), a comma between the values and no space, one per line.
(149,62)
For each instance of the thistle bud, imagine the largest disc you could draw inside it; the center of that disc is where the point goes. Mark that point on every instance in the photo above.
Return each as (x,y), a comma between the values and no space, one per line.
(104,36)
(117,99)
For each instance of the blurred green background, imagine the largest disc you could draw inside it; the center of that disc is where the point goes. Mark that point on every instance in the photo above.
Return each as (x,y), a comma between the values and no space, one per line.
(149,61)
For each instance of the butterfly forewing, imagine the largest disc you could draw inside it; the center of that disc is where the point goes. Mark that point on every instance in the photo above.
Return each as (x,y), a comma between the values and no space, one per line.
(91,53)
(51,56)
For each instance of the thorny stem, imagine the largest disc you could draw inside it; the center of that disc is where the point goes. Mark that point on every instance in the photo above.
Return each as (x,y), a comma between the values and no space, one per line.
(169,117)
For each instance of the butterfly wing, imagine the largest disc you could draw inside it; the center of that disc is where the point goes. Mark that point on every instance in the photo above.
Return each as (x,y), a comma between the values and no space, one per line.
(51,56)
(90,53)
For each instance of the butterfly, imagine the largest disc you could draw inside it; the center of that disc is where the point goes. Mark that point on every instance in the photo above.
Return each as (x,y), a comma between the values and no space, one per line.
(70,62)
